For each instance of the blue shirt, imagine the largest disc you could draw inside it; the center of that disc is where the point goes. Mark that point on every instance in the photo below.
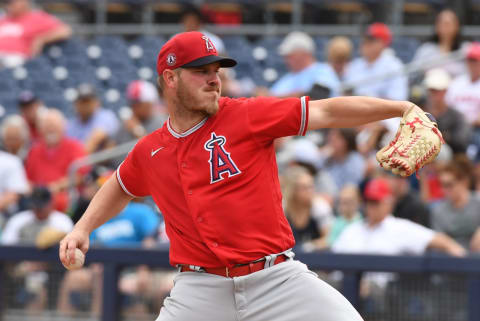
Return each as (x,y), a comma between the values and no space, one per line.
(395,88)
(302,81)
(102,119)
(129,228)
(350,171)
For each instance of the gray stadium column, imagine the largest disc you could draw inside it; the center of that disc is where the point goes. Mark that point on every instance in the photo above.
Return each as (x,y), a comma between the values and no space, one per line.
(474,298)
(351,287)
(2,289)
(111,295)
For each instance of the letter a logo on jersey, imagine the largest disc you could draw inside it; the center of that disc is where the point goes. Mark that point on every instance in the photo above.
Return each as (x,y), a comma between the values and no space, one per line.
(220,160)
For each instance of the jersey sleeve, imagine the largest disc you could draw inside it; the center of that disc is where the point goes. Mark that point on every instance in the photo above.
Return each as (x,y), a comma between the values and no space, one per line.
(130,175)
(270,118)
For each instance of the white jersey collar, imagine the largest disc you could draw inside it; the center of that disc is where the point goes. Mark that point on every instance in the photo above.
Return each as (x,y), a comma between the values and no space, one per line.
(186,133)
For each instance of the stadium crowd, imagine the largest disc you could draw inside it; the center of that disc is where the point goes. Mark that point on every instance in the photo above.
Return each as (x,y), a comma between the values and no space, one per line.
(336,197)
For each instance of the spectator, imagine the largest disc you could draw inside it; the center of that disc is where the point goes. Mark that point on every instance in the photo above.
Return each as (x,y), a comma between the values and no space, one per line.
(24,227)
(30,108)
(342,161)
(309,216)
(93,125)
(348,211)
(309,229)
(381,233)
(13,184)
(339,53)
(135,226)
(407,203)
(464,92)
(455,130)
(431,191)
(15,137)
(192,20)
(144,117)
(49,160)
(24,32)
(304,152)
(231,87)
(378,59)
(459,214)
(27,228)
(305,73)
(447,39)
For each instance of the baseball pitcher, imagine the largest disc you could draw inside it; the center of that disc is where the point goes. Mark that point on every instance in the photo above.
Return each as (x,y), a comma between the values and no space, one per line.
(212,172)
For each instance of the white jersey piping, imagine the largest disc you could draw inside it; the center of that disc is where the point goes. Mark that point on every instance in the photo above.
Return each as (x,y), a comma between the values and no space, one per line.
(188,132)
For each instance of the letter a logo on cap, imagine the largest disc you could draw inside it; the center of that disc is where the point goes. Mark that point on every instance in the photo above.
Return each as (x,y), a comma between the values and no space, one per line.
(208,44)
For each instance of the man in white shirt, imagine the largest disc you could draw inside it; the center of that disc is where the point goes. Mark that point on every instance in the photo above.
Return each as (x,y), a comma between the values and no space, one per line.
(382,233)
(464,92)
(13,183)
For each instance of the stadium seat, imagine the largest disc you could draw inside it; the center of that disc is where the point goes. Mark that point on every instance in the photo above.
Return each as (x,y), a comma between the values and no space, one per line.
(405,48)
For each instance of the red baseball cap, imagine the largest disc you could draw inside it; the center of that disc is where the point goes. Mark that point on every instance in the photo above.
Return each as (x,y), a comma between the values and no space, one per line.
(377,189)
(474,51)
(189,49)
(379,31)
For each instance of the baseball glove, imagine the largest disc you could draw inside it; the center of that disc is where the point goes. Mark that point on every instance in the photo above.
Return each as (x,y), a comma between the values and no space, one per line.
(417,143)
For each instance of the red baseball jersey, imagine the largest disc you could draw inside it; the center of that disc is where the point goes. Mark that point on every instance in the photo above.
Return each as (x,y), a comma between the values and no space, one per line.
(217,183)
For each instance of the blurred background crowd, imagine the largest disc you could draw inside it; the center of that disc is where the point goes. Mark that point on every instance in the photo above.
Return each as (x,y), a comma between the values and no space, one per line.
(71,106)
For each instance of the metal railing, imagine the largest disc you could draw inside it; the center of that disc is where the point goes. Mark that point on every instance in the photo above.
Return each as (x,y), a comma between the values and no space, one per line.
(352,267)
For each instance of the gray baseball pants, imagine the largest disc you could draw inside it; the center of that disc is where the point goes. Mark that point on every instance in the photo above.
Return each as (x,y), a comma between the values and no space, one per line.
(284,292)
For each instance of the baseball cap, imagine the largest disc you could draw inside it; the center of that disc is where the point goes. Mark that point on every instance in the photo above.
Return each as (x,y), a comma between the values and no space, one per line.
(26,97)
(305,151)
(40,197)
(86,91)
(437,79)
(377,189)
(296,40)
(189,49)
(142,91)
(379,31)
(473,51)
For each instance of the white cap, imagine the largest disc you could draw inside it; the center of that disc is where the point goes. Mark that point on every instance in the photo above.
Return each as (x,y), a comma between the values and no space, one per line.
(437,79)
(142,91)
(296,40)
(305,151)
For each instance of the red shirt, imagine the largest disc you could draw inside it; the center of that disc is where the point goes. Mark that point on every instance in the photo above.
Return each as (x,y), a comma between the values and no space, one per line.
(217,184)
(17,34)
(45,164)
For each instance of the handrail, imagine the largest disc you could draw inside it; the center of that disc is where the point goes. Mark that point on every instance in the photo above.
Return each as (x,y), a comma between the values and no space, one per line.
(255,29)
(353,265)
(435,263)
(95,158)
(410,68)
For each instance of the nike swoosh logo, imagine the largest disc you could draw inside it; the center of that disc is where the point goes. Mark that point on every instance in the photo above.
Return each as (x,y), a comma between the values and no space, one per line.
(156,151)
